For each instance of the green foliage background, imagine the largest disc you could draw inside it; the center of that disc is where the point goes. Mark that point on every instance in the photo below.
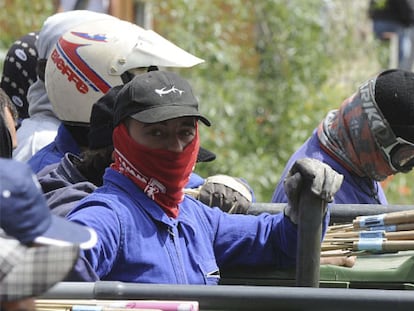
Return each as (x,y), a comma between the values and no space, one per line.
(273,69)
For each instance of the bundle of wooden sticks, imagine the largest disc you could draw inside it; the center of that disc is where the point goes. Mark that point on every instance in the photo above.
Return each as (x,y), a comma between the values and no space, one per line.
(390,232)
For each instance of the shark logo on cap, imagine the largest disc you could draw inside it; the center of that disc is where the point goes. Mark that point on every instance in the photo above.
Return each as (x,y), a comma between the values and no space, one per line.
(163,91)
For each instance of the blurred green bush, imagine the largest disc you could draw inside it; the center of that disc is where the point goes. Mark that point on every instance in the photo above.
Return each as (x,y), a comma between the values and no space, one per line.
(18,17)
(306,57)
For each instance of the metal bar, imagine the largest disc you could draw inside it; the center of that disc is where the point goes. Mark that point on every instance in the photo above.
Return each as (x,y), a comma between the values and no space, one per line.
(232,297)
(340,213)
(309,238)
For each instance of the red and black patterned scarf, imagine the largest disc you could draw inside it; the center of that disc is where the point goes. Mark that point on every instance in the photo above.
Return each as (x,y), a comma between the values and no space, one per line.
(346,136)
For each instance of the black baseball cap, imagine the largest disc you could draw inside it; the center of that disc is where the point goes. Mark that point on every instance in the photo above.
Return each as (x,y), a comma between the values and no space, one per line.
(205,155)
(101,125)
(157,96)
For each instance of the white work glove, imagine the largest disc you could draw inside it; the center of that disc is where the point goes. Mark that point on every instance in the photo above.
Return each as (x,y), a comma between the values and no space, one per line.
(230,194)
(325,182)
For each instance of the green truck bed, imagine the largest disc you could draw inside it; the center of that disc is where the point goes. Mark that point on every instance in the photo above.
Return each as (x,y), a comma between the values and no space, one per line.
(379,271)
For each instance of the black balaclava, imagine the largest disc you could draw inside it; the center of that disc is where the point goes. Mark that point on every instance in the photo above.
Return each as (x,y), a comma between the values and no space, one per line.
(19,72)
(394,94)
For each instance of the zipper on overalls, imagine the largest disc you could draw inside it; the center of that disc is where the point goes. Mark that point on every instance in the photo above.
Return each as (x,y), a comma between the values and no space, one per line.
(177,260)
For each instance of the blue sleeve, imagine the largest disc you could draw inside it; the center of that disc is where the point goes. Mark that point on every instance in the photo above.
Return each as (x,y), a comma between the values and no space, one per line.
(256,240)
(248,240)
(108,228)
(82,272)
(245,240)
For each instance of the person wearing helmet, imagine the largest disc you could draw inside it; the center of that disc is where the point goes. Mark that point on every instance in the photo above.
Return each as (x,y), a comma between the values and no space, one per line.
(40,128)
(149,230)
(75,77)
(370,137)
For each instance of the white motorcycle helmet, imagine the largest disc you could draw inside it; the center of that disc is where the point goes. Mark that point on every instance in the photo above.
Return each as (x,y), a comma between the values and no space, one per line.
(91,58)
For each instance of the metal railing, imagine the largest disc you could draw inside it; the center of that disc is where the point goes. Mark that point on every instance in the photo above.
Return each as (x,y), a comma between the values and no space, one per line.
(232,297)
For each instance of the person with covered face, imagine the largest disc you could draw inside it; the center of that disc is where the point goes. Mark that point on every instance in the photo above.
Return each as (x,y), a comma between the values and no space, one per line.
(370,137)
(149,231)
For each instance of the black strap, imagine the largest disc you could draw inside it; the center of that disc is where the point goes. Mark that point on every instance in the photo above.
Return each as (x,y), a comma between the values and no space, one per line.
(41,68)
(128,76)
(81,5)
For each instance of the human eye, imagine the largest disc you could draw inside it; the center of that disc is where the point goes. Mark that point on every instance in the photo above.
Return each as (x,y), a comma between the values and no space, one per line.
(155,132)
(187,132)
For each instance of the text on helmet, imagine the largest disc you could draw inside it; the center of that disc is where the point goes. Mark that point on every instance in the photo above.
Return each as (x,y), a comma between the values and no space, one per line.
(67,71)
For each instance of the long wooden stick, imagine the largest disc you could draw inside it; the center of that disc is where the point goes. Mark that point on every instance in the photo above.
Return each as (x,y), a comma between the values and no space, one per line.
(394,218)
(389,246)
(367,245)
(398,235)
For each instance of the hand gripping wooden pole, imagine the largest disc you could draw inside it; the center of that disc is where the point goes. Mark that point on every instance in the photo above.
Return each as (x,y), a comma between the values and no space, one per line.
(311,213)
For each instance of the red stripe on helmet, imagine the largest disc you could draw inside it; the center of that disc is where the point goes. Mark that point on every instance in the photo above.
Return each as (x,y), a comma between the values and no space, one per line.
(70,53)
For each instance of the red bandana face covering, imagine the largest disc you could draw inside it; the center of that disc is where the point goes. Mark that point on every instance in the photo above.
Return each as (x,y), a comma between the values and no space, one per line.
(161,174)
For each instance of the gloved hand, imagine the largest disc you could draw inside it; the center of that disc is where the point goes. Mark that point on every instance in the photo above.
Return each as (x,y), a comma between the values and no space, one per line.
(324,183)
(230,194)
